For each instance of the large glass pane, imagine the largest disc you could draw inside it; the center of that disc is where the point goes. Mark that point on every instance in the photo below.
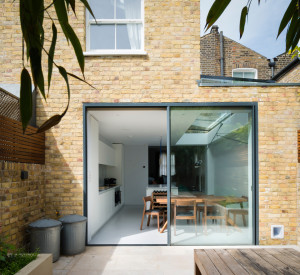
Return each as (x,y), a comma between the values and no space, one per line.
(128,9)
(103,9)
(213,173)
(129,36)
(102,37)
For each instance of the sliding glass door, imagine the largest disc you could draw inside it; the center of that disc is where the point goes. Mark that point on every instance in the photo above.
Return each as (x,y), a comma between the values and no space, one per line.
(211,171)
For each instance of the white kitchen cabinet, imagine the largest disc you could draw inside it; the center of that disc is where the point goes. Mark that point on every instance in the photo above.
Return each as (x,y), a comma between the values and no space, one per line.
(106,154)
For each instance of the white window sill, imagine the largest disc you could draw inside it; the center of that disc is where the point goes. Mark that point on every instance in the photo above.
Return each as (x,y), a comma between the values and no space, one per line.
(114,53)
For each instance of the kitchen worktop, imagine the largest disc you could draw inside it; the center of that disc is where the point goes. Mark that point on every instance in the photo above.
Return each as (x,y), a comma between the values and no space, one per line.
(103,189)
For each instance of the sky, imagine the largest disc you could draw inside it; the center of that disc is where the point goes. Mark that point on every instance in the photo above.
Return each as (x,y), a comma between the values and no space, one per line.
(261,28)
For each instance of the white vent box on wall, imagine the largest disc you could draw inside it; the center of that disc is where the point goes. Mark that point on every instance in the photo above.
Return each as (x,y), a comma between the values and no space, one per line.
(277,231)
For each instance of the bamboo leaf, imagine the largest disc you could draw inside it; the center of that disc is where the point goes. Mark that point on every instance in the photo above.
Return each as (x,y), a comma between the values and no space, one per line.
(287,16)
(215,12)
(296,37)
(36,69)
(291,30)
(86,4)
(75,76)
(51,54)
(76,45)
(72,4)
(54,120)
(49,123)
(62,15)
(25,98)
(244,14)
(64,74)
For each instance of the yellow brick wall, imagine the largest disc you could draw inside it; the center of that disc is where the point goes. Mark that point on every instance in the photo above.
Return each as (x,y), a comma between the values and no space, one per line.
(21,201)
(292,76)
(168,73)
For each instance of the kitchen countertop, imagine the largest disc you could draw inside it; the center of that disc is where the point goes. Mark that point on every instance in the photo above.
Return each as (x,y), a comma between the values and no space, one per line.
(103,189)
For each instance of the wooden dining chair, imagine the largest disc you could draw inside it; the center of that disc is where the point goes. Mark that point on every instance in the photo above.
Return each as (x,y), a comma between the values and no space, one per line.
(159,206)
(219,213)
(185,210)
(150,212)
(239,211)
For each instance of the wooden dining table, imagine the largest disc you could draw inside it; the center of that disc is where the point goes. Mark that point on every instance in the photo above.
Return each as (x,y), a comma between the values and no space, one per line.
(206,200)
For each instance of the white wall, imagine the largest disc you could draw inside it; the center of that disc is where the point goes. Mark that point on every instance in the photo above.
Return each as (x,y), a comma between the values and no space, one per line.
(135,175)
(93,176)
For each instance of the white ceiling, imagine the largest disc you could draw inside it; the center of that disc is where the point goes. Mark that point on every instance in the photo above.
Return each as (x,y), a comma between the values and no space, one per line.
(132,126)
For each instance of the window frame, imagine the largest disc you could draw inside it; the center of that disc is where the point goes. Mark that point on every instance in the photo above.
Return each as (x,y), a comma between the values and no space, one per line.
(245,70)
(99,52)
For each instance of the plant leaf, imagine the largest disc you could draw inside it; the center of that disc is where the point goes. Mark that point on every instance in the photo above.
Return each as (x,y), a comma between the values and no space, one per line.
(244,14)
(62,15)
(215,12)
(51,54)
(296,37)
(76,45)
(54,120)
(291,31)
(49,123)
(25,98)
(72,4)
(86,4)
(287,16)
(36,69)
(75,76)
(64,74)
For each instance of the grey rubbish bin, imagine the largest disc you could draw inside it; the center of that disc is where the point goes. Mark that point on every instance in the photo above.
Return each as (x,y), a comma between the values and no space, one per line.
(73,234)
(45,236)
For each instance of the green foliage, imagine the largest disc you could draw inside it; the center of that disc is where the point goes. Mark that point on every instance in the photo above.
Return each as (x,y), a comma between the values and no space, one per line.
(32,13)
(295,52)
(15,262)
(290,20)
(12,259)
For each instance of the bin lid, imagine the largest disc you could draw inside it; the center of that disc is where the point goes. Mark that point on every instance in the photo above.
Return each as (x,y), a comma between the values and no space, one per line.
(45,223)
(72,218)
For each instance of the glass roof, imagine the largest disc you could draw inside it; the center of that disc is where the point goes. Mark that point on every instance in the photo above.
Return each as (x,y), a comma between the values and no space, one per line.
(206,121)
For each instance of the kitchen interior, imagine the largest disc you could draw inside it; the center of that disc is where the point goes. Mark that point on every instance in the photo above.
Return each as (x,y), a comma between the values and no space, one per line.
(126,161)
(123,148)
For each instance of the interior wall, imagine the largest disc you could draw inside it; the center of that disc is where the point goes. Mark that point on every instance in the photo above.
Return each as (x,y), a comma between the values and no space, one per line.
(135,174)
(230,169)
(93,176)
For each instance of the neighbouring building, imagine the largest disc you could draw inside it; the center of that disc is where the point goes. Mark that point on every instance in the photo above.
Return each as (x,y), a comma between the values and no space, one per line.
(222,56)
(232,148)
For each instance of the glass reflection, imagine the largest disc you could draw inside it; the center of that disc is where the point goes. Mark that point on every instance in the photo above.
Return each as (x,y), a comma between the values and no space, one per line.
(213,151)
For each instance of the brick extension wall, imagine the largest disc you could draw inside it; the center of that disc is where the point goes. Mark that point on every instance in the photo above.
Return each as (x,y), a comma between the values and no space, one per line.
(167,74)
(22,201)
(292,76)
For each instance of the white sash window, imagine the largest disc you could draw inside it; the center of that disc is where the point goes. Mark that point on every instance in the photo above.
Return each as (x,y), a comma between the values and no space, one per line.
(118,28)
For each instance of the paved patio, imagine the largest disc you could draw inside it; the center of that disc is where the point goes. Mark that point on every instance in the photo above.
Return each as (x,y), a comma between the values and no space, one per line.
(156,260)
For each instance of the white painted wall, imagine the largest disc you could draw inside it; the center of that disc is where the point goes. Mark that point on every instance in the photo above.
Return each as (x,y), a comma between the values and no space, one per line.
(101,206)
(135,175)
(93,176)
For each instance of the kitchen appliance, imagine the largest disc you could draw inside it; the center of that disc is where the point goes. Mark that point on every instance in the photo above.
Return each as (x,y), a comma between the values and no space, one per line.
(117,196)
(110,182)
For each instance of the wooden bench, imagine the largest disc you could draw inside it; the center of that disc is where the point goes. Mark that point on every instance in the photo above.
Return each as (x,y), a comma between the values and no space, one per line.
(247,261)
